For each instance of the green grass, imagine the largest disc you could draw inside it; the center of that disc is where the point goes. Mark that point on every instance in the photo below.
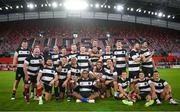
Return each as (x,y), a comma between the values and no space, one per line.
(7,79)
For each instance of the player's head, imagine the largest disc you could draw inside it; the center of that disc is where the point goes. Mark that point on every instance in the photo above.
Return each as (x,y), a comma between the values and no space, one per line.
(36,52)
(119,44)
(63,50)
(73,60)
(144,44)
(141,75)
(56,49)
(109,62)
(82,49)
(24,44)
(124,74)
(136,46)
(85,74)
(156,75)
(48,61)
(99,64)
(73,47)
(95,43)
(108,48)
(94,49)
(64,60)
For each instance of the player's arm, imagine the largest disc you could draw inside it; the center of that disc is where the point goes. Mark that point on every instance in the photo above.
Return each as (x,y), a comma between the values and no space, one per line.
(100,59)
(25,66)
(153,90)
(15,59)
(39,77)
(135,57)
(114,60)
(115,76)
(55,79)
(149,57)
(122,90)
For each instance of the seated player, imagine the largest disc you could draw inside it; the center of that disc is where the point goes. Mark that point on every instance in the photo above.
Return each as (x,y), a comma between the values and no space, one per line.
(145,90)
(45,79)
(86,89)
(123,86)
(163,89)
(110,78)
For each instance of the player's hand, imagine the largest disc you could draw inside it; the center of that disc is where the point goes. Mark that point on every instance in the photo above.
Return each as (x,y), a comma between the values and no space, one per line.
(26,77)
(52,82)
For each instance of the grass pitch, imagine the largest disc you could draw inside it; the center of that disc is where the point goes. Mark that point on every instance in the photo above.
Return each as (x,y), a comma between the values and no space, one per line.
(7,79)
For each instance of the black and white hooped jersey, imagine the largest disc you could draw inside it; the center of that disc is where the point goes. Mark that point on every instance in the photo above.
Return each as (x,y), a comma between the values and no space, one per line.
(107,74)
(105,57)
(56,59)
(75,71)
(48,74)
(159,85)
(120,57)
(94,59)
(83,61)
(64,71)
(72,55)
(147,53)
(124,83)
(85,86)
(34,64)
(133,65)
(22,54)
(144,85)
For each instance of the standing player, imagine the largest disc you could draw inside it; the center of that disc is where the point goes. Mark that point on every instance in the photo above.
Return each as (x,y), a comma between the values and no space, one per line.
(85,90)
(110,78)
(147,64)
(94,55)
(95,44)
(145,90)
(73,52)
(134,61)
(32,65)
(163,89)
(83,59)
(55,56)
(20,55)
(120,57)
(45,79)
(107,55)
(63,52)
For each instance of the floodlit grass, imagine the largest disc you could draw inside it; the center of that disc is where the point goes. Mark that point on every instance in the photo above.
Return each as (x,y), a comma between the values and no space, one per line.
(7,79)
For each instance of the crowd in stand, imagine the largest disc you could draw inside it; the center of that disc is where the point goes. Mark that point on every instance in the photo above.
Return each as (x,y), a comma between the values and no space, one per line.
(164,41)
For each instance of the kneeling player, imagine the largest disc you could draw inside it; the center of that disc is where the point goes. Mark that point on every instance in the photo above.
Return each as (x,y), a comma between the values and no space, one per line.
(98,73)
(46,78)
(145,90)
(72,77)
(163,89)
(85,90)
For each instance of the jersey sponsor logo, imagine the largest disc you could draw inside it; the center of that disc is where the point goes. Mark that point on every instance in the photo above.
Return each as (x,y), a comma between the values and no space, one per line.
(35,61)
